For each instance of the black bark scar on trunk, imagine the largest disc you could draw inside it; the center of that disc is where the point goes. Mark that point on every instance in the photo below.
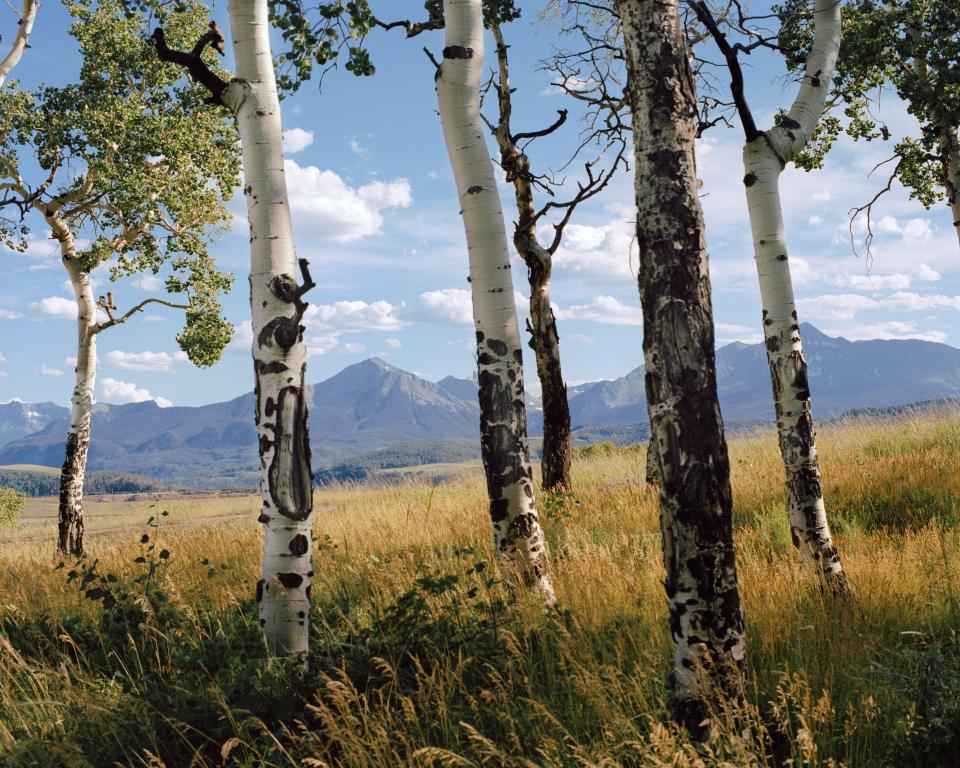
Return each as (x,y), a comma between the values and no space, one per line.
(290,477)
(457,52)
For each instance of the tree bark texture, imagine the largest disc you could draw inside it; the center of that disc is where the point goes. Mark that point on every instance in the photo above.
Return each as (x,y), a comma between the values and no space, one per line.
(696,517)
(73,472)
(950,151)
(279,353)
(764,159)
(20,40)
(519,539)
(544,338)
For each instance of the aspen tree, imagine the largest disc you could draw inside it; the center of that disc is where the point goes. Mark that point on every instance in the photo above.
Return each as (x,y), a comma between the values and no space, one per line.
(765,155)
(124,156)
(277,305)
(696,504)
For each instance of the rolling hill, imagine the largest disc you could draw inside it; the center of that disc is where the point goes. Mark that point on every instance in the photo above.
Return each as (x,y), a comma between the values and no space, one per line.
(373,414)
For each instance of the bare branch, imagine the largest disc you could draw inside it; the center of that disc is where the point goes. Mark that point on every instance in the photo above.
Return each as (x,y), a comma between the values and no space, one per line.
(733,62)
(193,62)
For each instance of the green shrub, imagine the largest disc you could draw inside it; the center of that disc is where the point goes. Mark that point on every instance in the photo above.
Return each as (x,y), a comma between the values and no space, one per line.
(11,505)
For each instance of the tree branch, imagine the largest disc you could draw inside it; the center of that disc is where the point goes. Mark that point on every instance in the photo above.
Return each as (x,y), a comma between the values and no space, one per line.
(193,62)
(730,53)
(413,28)
(107,305)
(20,41)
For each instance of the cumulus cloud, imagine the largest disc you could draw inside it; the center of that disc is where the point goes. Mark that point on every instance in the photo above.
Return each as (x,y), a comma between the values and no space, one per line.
(449,305)
(353,348)
(335,210)
(242,337)
(604,309)
(121,392)
(909,301)
(892,329)
(602,251)
(911,231)
(47,370)
(9,314)
(926,273)
(840,306)
(895,282)
(354,316)
(144,361)
(394,343)
(296,140)
(55,306)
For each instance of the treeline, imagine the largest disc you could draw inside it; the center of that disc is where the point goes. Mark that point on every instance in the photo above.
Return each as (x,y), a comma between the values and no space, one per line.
(38,483)
(412,454)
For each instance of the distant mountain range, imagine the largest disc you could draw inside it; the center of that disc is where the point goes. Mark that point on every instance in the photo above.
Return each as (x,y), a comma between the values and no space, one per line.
(372,409)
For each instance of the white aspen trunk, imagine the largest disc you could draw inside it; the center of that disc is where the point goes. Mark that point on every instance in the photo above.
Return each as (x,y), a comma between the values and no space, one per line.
(764,159)
(521,547)
(24,28)
(70,527)
(950,149)
(279,354)
(690,452)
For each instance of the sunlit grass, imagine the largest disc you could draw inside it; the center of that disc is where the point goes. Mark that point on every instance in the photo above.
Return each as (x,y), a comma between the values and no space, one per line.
(410,669)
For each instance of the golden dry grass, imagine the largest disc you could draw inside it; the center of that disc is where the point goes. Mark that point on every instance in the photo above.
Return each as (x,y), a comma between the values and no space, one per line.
(584,689)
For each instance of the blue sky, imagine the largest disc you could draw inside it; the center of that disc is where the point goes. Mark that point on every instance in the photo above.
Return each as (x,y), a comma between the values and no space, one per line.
(375,212)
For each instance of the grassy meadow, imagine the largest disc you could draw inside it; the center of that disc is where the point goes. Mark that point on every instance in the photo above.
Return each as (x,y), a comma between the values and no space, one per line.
(147,653)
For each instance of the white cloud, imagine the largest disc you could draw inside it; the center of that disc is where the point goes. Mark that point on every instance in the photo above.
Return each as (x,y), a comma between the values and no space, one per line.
(841,306)
(394,343)
(70,361)
(604,309)
(56,306)
(121,392)
(728,332)
(149,283)
(358,149)
(915,302)
(335,210)
(2,358)
(242,337)
(46,370)
(892,329)
(144,361)
(449,305)
(913,231)
(353,348)
(354,316)
(604,251)
(9,314)
(895,282)
(296,140)
(926,273)
(822,196)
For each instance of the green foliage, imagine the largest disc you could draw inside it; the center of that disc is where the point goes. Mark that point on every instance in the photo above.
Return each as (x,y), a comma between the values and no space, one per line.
(132,160)
(909,45)
(926,673)
(129,604)
(320,35)
(11,505)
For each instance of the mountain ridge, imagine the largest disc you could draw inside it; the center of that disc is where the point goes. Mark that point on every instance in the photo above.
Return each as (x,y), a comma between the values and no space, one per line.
(372,406)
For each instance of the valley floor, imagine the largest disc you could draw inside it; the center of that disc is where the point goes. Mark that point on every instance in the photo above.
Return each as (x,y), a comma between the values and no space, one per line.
(148,655)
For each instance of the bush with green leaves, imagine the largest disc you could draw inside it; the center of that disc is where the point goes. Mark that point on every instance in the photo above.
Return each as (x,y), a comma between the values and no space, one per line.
(11,505)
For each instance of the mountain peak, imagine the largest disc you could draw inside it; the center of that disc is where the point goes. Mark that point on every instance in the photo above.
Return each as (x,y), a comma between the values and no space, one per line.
(809,332)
